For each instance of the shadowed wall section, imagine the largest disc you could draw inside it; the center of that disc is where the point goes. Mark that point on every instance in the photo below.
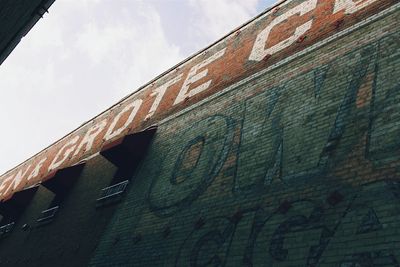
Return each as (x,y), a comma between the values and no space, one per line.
(298,166)
(292,159)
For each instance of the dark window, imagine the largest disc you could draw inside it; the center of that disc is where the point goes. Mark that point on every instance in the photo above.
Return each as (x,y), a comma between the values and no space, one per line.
(12,209)
(126,154)
(60,185)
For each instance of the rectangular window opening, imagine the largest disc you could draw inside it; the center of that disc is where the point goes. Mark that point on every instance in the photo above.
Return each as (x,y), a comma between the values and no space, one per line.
(60,185)
(126,154)
(12,209)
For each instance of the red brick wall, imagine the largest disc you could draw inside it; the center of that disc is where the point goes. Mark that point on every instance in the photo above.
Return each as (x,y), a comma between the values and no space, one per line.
(229,61)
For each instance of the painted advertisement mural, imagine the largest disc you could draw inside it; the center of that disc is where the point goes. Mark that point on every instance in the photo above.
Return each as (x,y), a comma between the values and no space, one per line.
(285,30)
(289,168)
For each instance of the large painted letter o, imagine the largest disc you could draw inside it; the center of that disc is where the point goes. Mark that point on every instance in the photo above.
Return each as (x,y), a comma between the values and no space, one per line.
(189,169)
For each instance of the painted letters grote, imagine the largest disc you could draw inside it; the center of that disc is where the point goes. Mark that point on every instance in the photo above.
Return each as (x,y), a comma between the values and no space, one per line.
(284,30)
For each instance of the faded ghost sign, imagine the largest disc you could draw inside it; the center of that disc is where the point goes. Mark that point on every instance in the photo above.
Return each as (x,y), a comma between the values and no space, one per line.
(286,29)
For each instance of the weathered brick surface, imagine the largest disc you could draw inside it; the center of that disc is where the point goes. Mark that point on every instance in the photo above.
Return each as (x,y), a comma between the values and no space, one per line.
(70,239)
(297,166)
(290,28)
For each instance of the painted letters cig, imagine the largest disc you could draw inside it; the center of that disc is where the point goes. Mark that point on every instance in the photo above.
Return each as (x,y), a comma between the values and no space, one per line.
(238,55)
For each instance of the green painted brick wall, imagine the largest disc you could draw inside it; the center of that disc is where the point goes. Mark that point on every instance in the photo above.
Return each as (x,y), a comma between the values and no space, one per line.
(72,236)
(299,166)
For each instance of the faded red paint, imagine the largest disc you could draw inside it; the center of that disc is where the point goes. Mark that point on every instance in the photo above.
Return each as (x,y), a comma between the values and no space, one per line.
(232,66)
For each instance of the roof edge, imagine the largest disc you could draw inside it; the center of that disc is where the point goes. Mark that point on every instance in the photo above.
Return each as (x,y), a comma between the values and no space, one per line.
(15,40)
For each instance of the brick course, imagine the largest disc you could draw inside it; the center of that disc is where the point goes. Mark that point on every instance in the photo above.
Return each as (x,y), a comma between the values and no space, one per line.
(295,165)
(299,166)
(225,63)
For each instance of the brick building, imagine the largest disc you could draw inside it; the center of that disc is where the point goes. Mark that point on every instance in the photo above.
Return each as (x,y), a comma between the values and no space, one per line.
(17,17)
(278,145)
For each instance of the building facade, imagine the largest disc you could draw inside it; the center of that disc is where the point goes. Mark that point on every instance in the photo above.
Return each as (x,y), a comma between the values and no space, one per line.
(278,145)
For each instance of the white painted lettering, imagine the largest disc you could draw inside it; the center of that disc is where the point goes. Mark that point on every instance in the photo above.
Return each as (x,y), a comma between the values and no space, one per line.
(68,148)
(193,77)
(90,136)
(16,181)
(159,94)
(36,170)
(134,107)
(259,51)
(4,184)
(351,6)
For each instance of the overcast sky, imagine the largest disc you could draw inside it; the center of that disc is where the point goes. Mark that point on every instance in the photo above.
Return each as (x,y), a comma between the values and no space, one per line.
(85,55)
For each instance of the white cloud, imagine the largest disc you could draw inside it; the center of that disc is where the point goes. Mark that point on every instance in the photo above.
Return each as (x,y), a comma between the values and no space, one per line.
(218,17)
(86,55)
(133,45)
(76,62)
(97,43)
